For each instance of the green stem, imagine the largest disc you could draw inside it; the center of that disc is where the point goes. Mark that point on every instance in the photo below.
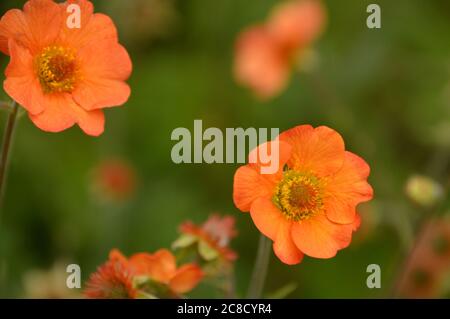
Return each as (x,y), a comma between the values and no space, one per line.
(260,269)
(6,146)
(4,155)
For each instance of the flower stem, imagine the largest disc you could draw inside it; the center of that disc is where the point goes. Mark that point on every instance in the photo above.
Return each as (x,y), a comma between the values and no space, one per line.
(6,146)
(260,269)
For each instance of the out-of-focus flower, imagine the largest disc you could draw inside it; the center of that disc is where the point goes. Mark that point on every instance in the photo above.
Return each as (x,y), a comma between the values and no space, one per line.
(423,190)
(64,75)
(265,53)
(161,269)
(430,263)
(212,238)
(296,23)
(114,179)
(152,19)
(48,284)
(309,205)
(259,65)
(142,275)
(113,280)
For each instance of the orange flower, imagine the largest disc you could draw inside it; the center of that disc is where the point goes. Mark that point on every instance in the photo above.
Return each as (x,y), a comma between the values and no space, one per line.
(63,76)
(161,267)
(295,24)
(120,277)
(216,232)
(113,280)
(264,54)
(114,179)
(309,205)
(259,64)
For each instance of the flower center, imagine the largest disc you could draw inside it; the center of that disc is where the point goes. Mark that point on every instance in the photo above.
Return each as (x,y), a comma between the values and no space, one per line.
(299,196)
(57,69)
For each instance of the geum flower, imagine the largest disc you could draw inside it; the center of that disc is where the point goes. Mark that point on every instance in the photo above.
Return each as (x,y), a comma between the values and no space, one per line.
(112,280)
(143,275)
(63,76)
(309,205)
(212,237)
(265,53)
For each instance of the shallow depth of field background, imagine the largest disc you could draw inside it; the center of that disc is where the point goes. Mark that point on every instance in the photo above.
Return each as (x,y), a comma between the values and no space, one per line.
(393,87)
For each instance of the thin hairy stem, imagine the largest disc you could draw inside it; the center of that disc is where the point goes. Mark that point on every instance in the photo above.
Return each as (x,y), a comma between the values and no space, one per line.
(256,287)
(6,147)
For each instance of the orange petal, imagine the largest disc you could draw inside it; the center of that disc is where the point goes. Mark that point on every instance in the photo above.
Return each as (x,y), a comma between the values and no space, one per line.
(347,189)
(61,112)
(105,60)
(57,115)
(13,22)
(166,259)
(296,23)
(250,182)
(320,150)
(267,217)
(320,238)
(284,247)
(186,278)
(94,27)
(21,84)
(249,185)
(140,263)
(95,94)
(262,155)
(105,66)
(259,64)
(91,122)
(116,256)
(35,28)
(356,223)
(159,266)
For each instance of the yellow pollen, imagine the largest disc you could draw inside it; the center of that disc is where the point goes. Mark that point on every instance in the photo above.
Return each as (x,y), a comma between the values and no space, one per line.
(299,196)
(57,69)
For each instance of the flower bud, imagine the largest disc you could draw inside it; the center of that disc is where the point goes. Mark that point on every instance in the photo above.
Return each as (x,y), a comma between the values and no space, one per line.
(424,190)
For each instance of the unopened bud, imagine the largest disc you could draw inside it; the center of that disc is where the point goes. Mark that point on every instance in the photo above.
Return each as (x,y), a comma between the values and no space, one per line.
(424,190)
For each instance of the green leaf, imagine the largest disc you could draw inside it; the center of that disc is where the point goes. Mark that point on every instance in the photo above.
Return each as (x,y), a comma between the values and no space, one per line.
(139,281)
(144,295)
(184,241)
(206,251)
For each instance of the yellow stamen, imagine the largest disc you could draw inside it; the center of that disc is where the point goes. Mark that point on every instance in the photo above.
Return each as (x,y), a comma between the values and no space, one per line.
(57,69)
(299,196)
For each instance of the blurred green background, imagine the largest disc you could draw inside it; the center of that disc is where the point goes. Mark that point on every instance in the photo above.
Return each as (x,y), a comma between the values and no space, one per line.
(393,109)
